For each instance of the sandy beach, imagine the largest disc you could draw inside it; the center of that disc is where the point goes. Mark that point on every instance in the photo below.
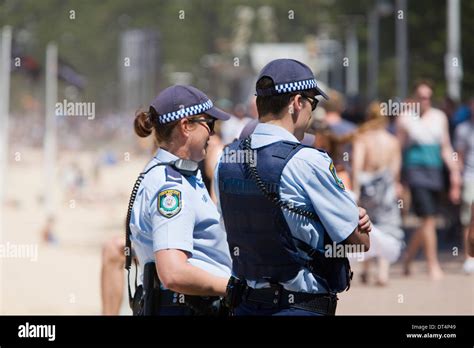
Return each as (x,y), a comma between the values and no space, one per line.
(63,277)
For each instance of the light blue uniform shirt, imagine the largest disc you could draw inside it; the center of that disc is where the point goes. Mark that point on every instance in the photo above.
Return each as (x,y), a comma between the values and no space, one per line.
(193,226)
(308,183)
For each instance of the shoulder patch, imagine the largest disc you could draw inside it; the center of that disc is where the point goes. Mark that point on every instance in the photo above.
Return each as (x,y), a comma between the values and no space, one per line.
(169,202)
(339,182)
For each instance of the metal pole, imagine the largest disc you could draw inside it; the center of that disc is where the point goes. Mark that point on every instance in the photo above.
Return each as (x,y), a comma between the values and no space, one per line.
(352,52)
(50,142)
(5,66)
(453,62)
(373,61)
(401,48)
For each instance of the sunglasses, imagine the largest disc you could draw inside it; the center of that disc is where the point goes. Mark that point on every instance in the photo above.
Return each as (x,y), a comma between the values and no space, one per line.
(314,102)
(210,123)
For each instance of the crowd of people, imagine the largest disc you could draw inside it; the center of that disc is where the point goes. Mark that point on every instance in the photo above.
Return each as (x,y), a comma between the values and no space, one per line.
(394,165)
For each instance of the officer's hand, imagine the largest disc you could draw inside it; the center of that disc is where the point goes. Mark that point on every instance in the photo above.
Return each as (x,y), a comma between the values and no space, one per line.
(365,226)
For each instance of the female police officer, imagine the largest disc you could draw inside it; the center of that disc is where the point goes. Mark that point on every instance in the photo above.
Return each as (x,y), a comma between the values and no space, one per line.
(173,222)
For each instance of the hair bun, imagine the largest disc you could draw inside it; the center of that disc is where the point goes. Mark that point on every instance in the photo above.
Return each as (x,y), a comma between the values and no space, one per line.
(143,124)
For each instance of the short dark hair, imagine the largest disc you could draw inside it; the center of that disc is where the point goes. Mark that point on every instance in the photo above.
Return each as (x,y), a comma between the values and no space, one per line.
(272,104)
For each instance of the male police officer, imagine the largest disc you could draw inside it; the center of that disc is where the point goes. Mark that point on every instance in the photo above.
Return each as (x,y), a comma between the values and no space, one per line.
(285,211)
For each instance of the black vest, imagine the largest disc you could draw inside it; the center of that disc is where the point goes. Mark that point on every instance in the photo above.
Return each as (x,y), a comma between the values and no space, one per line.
(260,241)
(259,238)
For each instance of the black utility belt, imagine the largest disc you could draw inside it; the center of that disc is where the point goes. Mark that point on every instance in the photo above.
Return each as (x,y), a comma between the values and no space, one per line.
(170,298)
(278,297)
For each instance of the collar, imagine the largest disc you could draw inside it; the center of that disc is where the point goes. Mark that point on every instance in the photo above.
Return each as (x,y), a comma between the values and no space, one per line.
(266,133)
(161,155)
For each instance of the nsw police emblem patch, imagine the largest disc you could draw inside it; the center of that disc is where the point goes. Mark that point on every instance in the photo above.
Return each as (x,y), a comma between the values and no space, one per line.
(169,203)
(339,182)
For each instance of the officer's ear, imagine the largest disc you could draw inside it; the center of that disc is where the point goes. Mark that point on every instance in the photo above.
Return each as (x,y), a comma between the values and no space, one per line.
(298,103)
(185,126)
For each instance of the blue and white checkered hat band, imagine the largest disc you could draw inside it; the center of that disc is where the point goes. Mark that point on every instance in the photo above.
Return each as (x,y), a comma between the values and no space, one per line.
(184,112)
(295,86)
